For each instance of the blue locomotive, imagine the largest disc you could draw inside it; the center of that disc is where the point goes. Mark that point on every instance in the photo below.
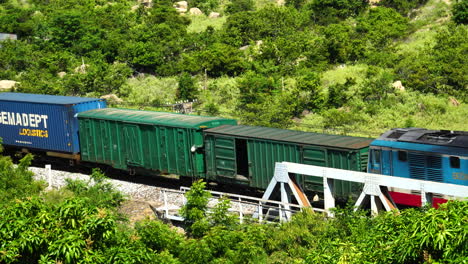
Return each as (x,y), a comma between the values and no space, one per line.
(431,155)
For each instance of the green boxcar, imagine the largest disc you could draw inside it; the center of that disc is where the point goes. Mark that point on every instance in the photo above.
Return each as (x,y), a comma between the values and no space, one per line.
(247,155)
(158,141)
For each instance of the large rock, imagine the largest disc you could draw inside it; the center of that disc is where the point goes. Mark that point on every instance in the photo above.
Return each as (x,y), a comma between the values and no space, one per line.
(195,11)
(7,85)
(454,101)
(147,3)
(181,6)
(112,99)
(398,86)
(81,68)
(214,15)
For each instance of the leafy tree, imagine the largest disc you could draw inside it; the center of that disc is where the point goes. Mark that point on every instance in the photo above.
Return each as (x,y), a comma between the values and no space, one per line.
(310,92)
(271,22)
(241,28)
(16,20)
(262,102)
(195,210)
(381,26)
(290,54)
(67,28)
(450,60)
(298,4)
(377,85)
(460,12)
(332,11)
(240,6)
(97,190)
(16,182)
(338,93)
(159,236)
(218,60)
(342,43)
(441,68)
(254,88)
(186,89)
(220,215)
(204,5)
(404,7)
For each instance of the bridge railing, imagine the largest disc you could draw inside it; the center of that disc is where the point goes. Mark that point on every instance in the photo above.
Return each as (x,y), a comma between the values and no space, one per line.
(243,206)
(375,185)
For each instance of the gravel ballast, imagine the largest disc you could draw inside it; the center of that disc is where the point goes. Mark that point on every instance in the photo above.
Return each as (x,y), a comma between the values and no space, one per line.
(134,191)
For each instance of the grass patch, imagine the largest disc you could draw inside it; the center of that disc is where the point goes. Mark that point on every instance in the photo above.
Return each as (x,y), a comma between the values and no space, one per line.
(402,109)
(431,15)
(201,22)
(339,74)
(222,93)
(149,91)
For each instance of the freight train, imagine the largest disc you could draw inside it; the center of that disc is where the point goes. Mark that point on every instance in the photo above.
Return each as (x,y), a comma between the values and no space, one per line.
(84,130)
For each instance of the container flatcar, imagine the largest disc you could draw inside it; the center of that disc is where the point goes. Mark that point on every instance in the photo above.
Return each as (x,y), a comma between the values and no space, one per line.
(247,155)
(155,141)
(44,123)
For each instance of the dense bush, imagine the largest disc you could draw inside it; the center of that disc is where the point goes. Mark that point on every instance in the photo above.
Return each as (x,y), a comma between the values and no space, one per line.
(332,11)
(460,12)
(16,181)
(404,7)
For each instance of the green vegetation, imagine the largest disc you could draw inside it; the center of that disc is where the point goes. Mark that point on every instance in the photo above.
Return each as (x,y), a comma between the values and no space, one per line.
(260,62)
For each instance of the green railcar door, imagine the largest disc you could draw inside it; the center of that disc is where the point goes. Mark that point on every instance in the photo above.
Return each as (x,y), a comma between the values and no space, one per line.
(86,142)
(225,157)
(182,152)
(104,142)
(133,143)
(316,157)
(163,149)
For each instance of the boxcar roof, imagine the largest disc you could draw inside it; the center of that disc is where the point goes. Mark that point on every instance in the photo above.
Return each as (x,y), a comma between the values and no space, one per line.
(155,118)
(299,137)
(44,99)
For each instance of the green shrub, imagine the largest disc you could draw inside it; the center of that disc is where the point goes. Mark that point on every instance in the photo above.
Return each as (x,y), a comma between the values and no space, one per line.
(97,190)
(186,89)
(460,12)
(159,236)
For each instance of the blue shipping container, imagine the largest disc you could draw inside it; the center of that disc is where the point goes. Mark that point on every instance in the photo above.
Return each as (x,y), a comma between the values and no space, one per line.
(43,122)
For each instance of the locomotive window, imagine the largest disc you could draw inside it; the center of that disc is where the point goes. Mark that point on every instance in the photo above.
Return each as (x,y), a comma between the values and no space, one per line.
(455,162)
(402,155)
(376,156)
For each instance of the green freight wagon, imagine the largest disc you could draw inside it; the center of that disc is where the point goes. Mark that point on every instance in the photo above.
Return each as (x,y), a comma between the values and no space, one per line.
(157,141)
(247,155)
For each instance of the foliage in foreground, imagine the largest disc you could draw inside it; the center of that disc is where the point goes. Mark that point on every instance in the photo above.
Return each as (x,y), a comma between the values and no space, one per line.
(74,229)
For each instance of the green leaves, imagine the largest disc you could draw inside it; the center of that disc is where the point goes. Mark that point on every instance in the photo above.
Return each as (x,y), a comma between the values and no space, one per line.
(195,210)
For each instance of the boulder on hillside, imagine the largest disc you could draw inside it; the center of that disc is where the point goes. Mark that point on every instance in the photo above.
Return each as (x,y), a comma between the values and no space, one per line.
(7,85)
(454,101)
(181,6)
(112,99)
(195,11)
(398,86)
(214,15)
(81,68)
(147,3)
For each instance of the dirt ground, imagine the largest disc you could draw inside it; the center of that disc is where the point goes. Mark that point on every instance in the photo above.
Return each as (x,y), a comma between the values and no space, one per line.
(138,210)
